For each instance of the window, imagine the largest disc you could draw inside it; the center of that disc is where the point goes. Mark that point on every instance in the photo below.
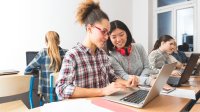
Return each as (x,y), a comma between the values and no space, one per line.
(162,3)
(185,27)
(176,18)
(164,23)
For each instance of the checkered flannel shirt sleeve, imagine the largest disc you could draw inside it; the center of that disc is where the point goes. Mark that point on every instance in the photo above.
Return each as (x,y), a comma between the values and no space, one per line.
(64,86)
(34,63)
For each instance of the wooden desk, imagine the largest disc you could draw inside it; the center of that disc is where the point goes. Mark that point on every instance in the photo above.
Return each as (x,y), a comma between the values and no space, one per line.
(13,106)
(162,102)
(194,84)
(196,107)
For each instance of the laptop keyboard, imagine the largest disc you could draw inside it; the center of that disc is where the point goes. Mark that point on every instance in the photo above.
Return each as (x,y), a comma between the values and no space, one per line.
(136,97)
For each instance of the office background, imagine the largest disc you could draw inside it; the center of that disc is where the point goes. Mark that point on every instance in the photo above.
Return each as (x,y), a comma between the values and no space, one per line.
(25,22)
(23,25)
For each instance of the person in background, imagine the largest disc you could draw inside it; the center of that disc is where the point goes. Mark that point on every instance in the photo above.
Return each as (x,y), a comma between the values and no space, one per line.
(184,47)
(179,55)
(129,59)
(48,61)
(86,70)
(159,56)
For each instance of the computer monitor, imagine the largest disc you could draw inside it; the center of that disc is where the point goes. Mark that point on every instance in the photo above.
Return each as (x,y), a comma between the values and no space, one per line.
(30,55)
(188,39)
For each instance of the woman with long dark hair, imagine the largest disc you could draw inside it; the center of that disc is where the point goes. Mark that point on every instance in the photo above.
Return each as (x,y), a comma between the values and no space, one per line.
(129,59)
(159,56)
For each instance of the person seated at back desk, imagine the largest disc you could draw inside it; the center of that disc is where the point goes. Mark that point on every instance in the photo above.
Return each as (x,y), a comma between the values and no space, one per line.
(160,54)
(184,47)
(179,55)
(48,60)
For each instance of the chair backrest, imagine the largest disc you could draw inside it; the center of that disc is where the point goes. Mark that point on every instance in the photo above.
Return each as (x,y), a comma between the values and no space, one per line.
(53,78)
(16,84)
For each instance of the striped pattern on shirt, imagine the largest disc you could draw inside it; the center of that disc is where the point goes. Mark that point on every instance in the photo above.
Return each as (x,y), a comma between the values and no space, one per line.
(81,69)
(42,61)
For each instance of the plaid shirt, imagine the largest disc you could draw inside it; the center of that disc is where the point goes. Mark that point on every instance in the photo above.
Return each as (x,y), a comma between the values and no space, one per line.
(82,69)
(42,61)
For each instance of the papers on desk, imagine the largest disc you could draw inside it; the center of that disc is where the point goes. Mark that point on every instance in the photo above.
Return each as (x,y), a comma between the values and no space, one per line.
(182,93)
(115,107)
(74,105)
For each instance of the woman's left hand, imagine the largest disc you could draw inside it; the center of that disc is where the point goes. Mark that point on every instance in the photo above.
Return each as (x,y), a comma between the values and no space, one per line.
(133,81)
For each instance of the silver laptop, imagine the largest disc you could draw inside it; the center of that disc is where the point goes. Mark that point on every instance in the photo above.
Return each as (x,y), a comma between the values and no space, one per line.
(139,97)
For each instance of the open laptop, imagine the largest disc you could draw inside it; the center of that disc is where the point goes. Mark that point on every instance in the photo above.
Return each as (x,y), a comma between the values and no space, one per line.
(186,73)
(131,98)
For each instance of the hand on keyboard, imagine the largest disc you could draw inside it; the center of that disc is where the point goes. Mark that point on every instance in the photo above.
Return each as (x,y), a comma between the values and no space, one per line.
(176,73)
(133,81)
(112,88)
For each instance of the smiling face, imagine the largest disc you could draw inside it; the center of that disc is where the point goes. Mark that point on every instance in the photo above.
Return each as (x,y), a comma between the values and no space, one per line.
(168,46)
(99,33)
(118,38)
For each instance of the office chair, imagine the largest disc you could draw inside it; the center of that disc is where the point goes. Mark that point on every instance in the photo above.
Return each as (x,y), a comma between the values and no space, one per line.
(53,78)
(16,84)
(29,57)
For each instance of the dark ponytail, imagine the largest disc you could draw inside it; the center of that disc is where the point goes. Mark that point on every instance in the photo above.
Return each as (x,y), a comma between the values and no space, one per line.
(157,44)
(163,38)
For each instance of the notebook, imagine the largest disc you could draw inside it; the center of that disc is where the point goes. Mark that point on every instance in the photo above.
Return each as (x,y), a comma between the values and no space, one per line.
(186,73)
(130,98)
(8,72)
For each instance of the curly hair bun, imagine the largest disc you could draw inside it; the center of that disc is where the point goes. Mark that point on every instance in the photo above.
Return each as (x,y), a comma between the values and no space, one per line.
(85,8)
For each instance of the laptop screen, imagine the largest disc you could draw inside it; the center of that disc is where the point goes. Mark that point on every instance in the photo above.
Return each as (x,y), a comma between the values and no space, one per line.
(189,67)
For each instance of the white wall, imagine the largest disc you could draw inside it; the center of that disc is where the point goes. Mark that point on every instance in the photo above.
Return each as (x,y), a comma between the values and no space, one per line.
(117,11)
(24,23)
(150,25)
(140,22)
(198,26)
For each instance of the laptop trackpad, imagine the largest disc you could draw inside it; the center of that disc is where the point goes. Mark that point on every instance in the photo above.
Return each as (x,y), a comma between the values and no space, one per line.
(121,94)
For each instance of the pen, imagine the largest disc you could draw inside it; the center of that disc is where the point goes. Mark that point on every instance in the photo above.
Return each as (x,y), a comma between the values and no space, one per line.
(171,90)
